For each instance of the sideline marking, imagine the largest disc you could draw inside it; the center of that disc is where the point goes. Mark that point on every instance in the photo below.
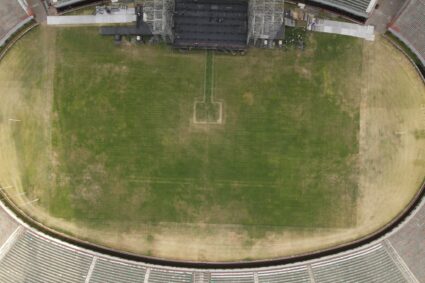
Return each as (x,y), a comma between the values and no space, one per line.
(210,101)
(8,187)
(29,202)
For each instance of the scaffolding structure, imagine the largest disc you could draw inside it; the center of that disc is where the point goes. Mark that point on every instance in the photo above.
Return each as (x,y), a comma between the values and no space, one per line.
(158,15)
(263,21)
(266,21)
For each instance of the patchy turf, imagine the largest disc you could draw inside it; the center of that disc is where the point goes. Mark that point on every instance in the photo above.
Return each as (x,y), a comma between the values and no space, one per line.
(116,157)
(127,150)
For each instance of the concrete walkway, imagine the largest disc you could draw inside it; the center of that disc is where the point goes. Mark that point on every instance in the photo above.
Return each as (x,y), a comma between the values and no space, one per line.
(88,20)
(117,16)
(336,27)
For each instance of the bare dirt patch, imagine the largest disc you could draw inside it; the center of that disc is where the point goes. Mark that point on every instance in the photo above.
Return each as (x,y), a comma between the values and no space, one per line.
(392,162)
(27,98)
(392,167)
(304,72)
(248,98)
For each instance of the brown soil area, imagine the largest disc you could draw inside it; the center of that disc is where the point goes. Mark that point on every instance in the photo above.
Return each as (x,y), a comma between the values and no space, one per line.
(392,163)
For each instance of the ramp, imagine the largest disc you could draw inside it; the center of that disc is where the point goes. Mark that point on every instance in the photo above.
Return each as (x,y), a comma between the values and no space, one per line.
(355,30)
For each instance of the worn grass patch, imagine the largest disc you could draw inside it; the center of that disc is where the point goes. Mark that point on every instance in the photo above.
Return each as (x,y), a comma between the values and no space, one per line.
(127,150)
(117,159)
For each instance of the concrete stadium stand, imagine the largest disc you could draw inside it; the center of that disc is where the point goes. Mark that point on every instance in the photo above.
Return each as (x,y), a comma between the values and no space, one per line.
(31,252)
(64,6)
(359,8)
(14,14)
(28,255)
(346,9)
(409,27)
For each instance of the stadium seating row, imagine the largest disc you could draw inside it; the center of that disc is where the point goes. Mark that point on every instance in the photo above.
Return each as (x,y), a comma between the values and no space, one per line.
(410,26)
(13,15)
(26,255)
(356,7)
(35,257)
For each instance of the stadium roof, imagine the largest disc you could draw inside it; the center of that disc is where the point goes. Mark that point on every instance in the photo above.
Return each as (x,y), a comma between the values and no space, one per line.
(63,3)
(356,7)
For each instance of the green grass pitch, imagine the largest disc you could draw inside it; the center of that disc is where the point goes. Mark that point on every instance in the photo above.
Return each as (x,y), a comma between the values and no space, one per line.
(128,151)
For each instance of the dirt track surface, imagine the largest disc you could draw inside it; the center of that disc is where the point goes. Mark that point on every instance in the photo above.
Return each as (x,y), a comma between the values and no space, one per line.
(392,146)
(392,162)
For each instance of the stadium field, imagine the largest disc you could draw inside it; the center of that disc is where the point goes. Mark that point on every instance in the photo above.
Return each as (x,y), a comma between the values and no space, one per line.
(144,148)
(284,155)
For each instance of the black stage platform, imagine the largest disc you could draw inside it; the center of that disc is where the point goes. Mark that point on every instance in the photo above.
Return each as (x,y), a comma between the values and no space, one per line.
(141,28)
(211,24)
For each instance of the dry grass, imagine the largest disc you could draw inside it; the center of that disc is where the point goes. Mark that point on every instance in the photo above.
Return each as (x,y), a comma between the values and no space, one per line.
(392,158)
(392,163)
(26,93)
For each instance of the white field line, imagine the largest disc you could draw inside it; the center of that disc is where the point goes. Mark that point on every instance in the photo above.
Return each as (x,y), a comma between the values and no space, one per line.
(220,116)
(205,79)
(212,77)
(204,98)
(30,202)
(197,101)
(188,181)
